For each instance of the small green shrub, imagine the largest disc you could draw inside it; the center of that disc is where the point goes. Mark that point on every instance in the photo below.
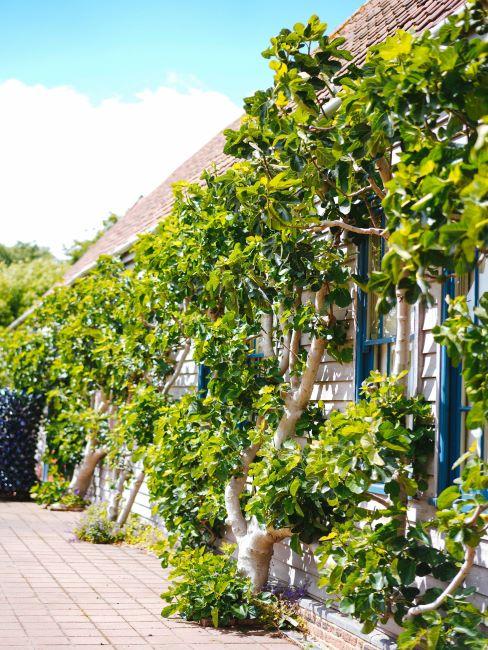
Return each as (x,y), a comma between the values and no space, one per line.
(146,536)
(281,614)
(51,491)
(71,500)
(95,526)
(208,587)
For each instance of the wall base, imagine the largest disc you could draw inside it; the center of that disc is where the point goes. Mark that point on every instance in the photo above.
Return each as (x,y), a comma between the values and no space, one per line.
(334,630)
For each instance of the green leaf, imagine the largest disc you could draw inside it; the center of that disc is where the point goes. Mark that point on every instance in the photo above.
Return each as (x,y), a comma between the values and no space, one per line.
(368,627)
(347,606)
(294,486)
(447,497)
(406,570)
(295,544)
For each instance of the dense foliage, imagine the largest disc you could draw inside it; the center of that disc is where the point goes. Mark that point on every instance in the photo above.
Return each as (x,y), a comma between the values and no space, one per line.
(51,490)
(26,273)
(252,273)
(22,252)
(208,588)
(465,336)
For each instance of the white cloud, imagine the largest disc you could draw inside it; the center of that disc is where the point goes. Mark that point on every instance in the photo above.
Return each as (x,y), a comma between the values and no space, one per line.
(66,163)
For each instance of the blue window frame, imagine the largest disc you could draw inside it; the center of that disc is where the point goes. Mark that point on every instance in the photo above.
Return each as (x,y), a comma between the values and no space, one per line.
(375,336)
(453,406)
(203,379)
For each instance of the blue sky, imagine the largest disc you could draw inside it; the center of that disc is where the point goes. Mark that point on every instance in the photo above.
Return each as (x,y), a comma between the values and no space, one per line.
(118,47)
(100,100)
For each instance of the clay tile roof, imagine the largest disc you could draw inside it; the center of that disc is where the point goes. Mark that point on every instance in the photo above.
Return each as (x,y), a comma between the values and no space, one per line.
(371,23)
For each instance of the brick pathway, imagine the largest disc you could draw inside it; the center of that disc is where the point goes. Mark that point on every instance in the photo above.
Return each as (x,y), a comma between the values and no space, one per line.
(57,593)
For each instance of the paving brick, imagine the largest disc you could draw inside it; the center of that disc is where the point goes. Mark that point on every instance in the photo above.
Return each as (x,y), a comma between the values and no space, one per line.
(16,641)
(61,595)
(88,640)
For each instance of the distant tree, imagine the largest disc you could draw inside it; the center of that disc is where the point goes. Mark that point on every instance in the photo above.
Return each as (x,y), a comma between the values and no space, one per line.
(22,252)
(79,247)
(23,282)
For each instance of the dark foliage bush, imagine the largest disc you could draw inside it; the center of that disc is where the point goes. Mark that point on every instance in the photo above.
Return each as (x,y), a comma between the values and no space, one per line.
(19,422)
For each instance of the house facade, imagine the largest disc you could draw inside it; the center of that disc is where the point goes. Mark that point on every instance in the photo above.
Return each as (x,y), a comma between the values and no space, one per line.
(431,373)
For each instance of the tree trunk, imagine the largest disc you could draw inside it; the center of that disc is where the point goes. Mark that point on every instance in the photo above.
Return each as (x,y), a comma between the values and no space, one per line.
(401,364)
(124,515)
(255,550)
(83,475)
(255,542)
(116,496)
(402,343)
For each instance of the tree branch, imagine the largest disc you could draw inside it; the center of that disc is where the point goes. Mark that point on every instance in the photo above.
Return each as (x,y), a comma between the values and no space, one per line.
(324,225)
(267,335)
(314,357)
(297,400)
(280,534)
(178,367)
(284,362)
(234,489)
(402,343)
(378,499)
(294,350)
(384,169)
(458,579)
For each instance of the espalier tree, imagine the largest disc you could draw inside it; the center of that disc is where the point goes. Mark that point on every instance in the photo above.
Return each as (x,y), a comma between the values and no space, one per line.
(263,307)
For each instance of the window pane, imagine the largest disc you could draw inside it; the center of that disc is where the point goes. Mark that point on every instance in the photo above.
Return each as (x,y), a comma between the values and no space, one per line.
(390,323)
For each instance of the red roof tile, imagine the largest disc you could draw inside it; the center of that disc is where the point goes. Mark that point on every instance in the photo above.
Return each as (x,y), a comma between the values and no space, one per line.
(371,23)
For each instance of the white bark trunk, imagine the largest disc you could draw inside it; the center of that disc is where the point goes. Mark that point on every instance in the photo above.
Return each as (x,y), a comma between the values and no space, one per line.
(401,365)
(402,343)
(124,515)
(116,496)
(255,550)
(83,475)
(299,399)
(255,542)
(234,490)
(284,360)
(267,335)
(178,368)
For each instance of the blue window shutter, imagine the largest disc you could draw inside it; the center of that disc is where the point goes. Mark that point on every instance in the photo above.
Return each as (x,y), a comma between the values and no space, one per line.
(364,354)
(449,407)
(203,379)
